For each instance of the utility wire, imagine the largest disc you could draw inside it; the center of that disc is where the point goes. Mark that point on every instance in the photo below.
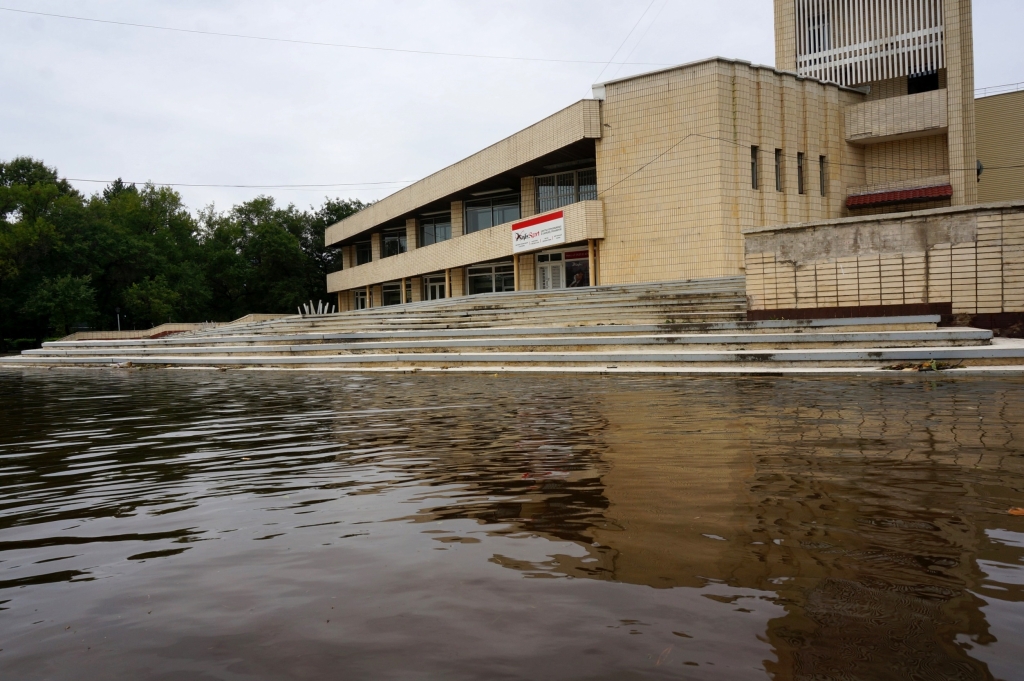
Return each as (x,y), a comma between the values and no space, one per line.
(619,49)
(641,38)
(292,41)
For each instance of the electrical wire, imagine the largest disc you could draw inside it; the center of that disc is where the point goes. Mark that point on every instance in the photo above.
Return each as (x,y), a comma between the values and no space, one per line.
(640,39)
(315,43)
(619,49)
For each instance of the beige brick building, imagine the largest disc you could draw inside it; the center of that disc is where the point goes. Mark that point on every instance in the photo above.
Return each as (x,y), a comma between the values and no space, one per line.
(658,175)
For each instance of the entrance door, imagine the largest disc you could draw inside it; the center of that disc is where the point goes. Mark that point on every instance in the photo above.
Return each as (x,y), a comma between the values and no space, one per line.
(550,271)
(433,288)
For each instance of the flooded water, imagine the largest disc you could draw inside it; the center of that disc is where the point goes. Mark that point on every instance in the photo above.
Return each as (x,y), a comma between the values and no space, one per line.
(247,525)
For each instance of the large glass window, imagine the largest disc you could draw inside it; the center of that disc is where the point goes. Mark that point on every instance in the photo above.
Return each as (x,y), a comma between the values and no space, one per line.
(492,278)
(435,229)
(364,253)
(391,293)
(561,189)
(486,213)
(393,242)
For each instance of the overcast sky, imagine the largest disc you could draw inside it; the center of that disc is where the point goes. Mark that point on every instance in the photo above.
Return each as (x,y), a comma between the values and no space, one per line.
(101,101)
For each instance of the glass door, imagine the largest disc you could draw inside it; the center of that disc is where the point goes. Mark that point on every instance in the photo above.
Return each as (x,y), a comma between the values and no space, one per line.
(433,288)
(550,271)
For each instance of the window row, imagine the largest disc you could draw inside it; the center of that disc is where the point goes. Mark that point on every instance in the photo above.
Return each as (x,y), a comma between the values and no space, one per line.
(780,171)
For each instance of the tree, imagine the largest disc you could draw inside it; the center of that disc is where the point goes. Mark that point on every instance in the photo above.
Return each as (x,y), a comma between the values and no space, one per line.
(151,301)
(64,301)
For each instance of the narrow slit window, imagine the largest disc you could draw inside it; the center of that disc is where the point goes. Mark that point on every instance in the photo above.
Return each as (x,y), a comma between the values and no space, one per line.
(800,172)
(823,172)
(754,170)
(778,170)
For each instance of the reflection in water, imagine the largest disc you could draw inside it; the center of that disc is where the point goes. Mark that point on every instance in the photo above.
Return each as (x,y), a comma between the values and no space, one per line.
(293,525)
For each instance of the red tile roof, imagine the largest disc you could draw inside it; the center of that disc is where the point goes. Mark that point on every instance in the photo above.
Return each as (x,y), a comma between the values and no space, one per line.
(942,191)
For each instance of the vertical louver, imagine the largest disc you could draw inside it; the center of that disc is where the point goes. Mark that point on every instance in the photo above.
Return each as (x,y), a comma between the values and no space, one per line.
(859,41)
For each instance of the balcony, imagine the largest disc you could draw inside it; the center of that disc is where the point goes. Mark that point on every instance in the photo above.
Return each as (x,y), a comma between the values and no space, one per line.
(583,220)
(897,118)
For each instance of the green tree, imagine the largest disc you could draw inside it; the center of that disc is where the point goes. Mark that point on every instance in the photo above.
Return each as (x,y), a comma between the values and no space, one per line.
(151,301)
(63,301)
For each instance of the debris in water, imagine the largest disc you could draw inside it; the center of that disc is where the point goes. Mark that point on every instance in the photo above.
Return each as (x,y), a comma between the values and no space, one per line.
(1016,511)
(926,366)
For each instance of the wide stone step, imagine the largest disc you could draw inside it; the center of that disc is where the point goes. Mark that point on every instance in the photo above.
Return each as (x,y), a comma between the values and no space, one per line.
(909,323)
(1004,353)
(883,339)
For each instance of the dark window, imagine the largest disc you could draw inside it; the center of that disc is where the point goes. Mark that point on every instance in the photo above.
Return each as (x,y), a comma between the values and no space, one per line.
(800,172)
(391,294)
(823,168)
(923,82)
(491,278)
(360,299)
(393,242)
(755,171)
(435,229)
(561,189)
(486,213)
(364,253)
(778,170)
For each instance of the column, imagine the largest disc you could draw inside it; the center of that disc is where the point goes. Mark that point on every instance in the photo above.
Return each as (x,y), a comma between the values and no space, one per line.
(785,35)
(515,271)
(417,289)
(591,262)
(528,196)
(347,257)
(963,155)
(412,234)
(401,286)
(458,226)
(375,246)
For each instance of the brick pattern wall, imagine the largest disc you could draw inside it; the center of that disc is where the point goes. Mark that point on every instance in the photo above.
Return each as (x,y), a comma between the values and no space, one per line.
(910,115)
(1000,123)
(674,172)
(970,257)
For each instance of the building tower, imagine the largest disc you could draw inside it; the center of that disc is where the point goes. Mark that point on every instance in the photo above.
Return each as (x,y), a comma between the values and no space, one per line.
(918,54)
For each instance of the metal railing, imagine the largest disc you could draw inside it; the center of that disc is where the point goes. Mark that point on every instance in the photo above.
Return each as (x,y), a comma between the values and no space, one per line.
(998,90)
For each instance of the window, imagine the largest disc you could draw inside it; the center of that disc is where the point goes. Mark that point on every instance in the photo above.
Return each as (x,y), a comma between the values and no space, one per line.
(486,213)
(923,82)
(360,299)
(435,229)
(800,172)
(823,174)
(364,253)
(778,170)
(491,278)
(393,242)
(391,294)
(561,189)
(755,173)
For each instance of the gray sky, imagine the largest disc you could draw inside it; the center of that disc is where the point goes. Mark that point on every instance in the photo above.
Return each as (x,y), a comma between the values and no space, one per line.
(100,101)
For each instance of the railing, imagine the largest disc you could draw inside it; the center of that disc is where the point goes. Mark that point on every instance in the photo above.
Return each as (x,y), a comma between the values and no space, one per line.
(998,89)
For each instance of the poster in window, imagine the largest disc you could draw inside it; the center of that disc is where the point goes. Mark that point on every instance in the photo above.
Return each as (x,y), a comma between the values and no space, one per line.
(577,273)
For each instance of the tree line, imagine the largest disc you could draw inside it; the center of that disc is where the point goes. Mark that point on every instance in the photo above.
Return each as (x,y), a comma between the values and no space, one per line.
(70,261)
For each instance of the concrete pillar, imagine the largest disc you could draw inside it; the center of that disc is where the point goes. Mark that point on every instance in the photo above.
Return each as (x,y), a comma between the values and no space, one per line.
(515,272)
(412,234)
(458,223)
(401,290)
(341,302)
(785,35)
(375,246)
(378,295)
(591,262)
(417,289)
(458,281)
(447,283)
(348,257)
(527,273)
(369,296)
(963,155)
(528,196)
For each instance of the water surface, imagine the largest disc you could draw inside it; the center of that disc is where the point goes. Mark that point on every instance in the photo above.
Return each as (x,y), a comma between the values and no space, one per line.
(290,525)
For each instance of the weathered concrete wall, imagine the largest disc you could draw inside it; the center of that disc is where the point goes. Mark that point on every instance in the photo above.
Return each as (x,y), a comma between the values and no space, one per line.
(971,257)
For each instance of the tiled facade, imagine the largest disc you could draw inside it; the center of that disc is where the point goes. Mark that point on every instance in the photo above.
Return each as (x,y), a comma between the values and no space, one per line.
(688,158)
(970,257)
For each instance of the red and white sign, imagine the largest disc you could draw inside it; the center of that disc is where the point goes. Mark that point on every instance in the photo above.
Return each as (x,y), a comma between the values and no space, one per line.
(539,232)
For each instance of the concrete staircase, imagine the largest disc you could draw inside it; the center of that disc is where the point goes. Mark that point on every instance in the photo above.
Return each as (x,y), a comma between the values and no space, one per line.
(691,326)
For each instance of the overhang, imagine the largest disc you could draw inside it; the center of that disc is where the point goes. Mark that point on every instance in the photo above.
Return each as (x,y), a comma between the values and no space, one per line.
(580,121)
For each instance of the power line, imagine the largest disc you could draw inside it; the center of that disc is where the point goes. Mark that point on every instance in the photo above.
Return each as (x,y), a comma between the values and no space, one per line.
(641,38)
(292,41)
(603,68)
